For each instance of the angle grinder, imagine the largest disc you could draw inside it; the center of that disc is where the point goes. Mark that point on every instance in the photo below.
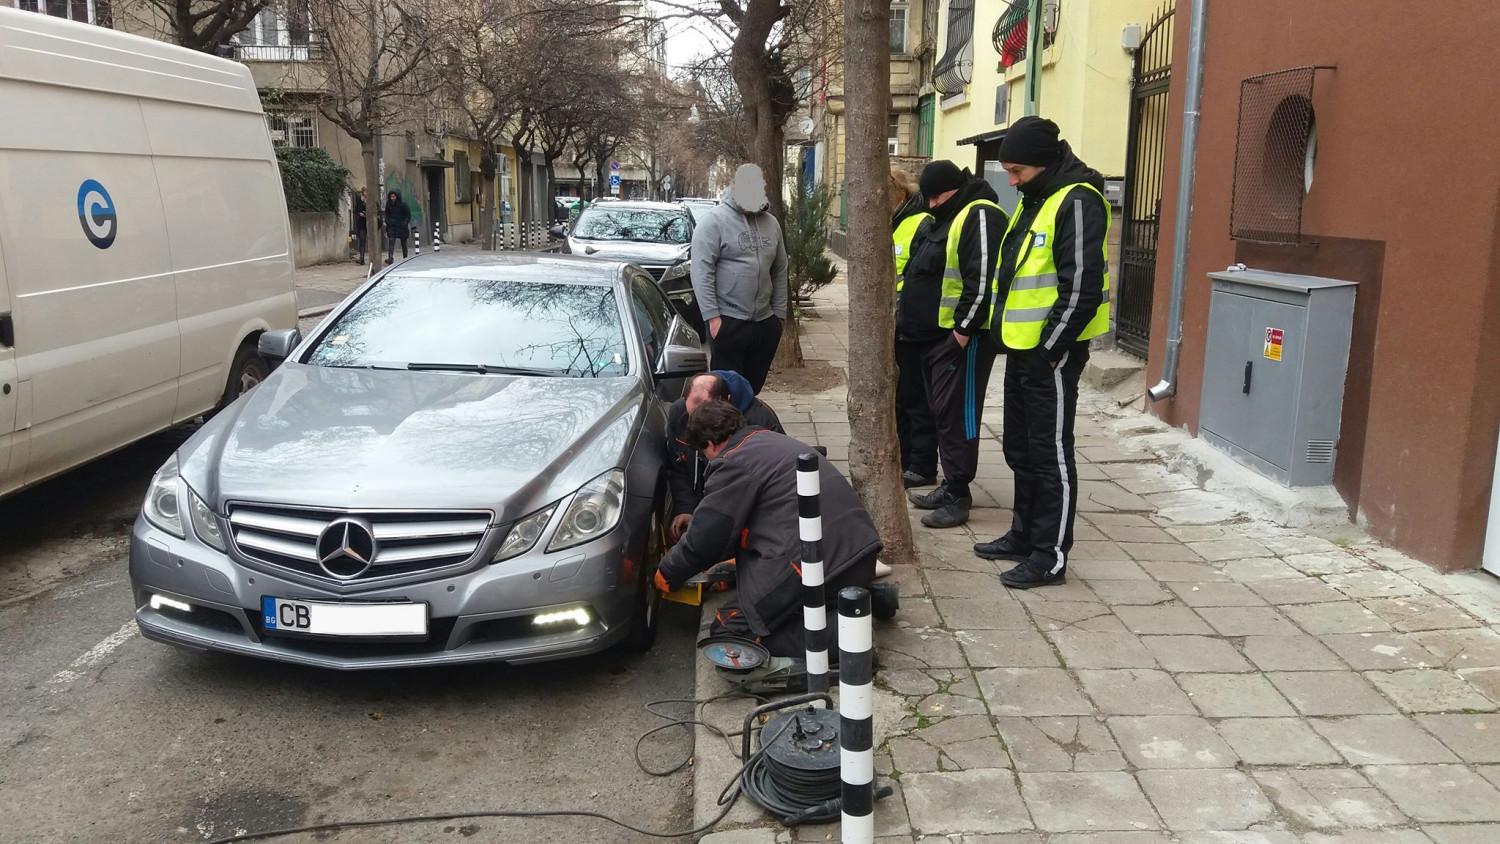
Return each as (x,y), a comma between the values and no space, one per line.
(747,664)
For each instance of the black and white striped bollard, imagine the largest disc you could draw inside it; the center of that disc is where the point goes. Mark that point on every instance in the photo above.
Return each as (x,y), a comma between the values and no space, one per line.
(437,237)
(416,240)
(856,725)
(814,601)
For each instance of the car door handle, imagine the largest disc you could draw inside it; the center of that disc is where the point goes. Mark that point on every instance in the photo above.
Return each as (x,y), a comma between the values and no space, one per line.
(1249,370)
(7,331)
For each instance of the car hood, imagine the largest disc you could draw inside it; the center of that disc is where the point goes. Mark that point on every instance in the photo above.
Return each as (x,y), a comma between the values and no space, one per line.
(359,438)
(635,253)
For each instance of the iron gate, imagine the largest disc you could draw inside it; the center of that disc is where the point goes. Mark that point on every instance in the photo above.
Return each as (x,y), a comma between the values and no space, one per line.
(1144,160)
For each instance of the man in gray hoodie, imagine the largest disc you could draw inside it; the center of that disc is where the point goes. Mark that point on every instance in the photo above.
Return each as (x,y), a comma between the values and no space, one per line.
(739,277)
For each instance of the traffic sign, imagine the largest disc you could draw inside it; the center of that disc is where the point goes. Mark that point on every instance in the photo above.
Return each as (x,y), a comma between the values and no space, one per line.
(614,165)
(614,180)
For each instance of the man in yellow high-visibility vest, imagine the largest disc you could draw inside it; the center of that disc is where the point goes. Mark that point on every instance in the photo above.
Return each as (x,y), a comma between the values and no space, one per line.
(916,430)
(1054,280)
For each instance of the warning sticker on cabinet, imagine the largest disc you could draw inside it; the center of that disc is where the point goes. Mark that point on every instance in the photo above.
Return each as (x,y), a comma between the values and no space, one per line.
(1273,343)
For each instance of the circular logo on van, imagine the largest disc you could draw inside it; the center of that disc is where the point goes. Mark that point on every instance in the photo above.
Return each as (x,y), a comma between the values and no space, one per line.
(96,212)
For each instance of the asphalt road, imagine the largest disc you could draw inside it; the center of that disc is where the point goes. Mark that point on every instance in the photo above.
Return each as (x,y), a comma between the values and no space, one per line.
(108,737)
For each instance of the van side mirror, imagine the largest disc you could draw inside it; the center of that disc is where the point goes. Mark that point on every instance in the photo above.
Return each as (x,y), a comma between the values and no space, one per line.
(276,346)
(682,362)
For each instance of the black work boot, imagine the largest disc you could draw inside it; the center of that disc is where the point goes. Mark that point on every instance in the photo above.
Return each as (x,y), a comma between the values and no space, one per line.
(910,479)
(952,514)
(1004,548)
(1031,574)
(940,497)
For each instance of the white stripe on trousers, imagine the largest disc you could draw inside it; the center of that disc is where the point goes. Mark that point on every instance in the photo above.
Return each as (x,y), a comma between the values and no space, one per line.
(1062,462)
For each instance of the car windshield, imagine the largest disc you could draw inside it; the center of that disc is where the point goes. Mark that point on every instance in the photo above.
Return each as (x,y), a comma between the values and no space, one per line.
(640,225)
(482,326)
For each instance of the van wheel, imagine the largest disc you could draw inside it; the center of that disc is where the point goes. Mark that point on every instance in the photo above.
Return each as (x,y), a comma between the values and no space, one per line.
(644,616)
(248,370)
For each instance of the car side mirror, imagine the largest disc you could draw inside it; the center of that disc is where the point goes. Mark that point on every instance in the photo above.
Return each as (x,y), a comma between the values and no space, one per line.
(557,232)
(277,346)
(682,362)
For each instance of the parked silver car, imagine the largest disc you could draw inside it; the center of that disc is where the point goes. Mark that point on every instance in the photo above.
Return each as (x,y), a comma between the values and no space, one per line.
(464,463)
(655,235)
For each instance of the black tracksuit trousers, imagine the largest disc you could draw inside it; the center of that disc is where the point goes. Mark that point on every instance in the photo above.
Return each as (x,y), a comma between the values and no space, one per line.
(1040,402)
(747,348)
(916,430)
(957,377)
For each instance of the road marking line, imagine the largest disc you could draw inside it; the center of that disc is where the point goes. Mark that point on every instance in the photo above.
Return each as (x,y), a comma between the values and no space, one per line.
(85,588)
(93,656)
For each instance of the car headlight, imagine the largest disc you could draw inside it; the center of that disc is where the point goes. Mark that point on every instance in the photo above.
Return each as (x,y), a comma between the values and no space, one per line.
(163,504)
(594,511)
(677,271)
(523,535)
(205,524)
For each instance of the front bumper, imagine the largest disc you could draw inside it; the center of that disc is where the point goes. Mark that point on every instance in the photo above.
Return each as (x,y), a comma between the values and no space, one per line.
(481,615)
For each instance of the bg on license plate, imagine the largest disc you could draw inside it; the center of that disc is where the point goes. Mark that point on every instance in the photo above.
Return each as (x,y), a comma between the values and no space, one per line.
(320,618)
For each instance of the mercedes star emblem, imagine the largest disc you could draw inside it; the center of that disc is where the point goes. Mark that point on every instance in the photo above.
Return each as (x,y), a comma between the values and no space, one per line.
(346,548)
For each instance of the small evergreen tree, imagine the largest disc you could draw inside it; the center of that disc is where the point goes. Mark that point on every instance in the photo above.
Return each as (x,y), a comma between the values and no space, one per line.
(808,267)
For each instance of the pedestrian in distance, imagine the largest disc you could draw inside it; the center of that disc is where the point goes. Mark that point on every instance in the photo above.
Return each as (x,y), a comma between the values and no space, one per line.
(947,295)
(686,467)
(358,217)
(749,509)
(397,225)
(915,428)
(1054,267)
(739,277)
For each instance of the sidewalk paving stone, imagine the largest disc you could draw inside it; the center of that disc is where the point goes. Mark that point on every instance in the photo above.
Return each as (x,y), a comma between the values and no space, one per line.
(1087,802)
(1234,696)
(1171,741)
(1060,744)
(1090,649)
(1463,833)
(1425,612)
(1429,690)
(1214,594)
(1341,617)
(1247,621)
(1195,654)
(1297,652)
(1135,691)
(1032,691)
(1276,741)
(1379,651)
(1162,620)
(1330,693)
(1381,740)
(1474,737)
(1207,800)
(1438,793)
(984,801)
(1329,798)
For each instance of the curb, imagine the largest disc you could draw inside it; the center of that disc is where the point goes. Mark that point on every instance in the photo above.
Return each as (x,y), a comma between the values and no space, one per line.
(316,311)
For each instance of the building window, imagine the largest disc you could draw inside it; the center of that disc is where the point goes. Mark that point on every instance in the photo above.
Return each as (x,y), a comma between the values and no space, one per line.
(292,129)
(953,71)
(281,33)
(73,10)
(463,192)
(925,109)
(893,135)
(899,13)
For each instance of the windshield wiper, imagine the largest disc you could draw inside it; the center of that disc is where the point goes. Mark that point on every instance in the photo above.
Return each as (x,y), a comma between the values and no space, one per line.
(485,369)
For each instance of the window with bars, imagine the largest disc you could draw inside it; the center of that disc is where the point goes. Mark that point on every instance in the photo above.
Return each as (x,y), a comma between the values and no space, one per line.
(893,134)
(292,129)
(899,14)
(74,10)
(1012,30)
(280,33)
(954,70)
(925,127)
(463,192)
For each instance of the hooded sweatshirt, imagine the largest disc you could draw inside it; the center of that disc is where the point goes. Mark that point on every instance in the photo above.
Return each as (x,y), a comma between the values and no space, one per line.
(739,263)
(922,285)
(1080,287)
(397,216)
(685,466)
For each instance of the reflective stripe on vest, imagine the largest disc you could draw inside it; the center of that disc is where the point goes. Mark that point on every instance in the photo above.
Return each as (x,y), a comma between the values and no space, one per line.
(1033,287)
(902,238)
(953,279)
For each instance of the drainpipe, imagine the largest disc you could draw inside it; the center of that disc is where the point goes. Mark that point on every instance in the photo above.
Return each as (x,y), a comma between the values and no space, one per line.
(1033,58)
(1168,385)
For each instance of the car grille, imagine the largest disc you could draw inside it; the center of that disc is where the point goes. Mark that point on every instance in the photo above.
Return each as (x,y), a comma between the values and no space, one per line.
(406,542)
(656,272)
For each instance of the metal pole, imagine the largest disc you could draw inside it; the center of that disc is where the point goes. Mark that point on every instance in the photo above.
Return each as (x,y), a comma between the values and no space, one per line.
(856,717)
(1167,387)
(814,600)
(1034,59)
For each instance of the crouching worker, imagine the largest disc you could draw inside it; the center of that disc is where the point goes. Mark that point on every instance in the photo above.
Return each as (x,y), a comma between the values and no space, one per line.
(749,511)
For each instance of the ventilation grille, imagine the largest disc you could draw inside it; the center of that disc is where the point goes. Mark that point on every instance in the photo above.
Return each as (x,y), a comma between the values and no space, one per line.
(1320,451)
(1272,156)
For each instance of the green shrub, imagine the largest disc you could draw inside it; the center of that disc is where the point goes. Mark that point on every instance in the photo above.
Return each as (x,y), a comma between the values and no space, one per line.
(808,267)
(311,179)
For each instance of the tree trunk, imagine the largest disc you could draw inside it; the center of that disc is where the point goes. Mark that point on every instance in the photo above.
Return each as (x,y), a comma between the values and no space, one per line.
(374,201)
(874,454)
(487,169)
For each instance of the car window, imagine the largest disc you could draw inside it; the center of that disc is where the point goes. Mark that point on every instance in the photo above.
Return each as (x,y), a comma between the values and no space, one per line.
(640,225)
(653,315)
(546,327)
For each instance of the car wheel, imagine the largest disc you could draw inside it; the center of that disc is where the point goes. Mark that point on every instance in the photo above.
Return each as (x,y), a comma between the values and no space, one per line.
(247,370)
(644,616)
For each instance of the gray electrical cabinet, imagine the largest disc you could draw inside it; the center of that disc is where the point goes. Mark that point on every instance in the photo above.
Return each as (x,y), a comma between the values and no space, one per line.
(1273,371)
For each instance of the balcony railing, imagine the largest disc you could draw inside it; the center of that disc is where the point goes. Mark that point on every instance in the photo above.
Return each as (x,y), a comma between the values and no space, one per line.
(1012,30)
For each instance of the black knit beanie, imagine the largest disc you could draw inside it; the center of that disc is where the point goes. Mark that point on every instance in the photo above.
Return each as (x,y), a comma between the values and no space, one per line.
(1031,140)
(940,177)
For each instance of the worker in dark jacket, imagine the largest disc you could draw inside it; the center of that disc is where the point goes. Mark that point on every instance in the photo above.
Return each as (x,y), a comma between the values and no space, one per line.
(750,505)
(1054,270)
(397,225)
(947,294)
(685,466)
(915,428)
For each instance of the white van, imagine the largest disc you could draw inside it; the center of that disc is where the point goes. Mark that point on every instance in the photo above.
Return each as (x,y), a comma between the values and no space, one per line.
(144,242)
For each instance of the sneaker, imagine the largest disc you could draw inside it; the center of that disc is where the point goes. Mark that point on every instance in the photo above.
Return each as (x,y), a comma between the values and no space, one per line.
(1003,548)
(885,599)
(939,497)
(952,514)
(1031,574)
(882,570)
(910,479)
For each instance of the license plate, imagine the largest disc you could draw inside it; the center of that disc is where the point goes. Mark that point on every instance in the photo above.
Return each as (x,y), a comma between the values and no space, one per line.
(318,618)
